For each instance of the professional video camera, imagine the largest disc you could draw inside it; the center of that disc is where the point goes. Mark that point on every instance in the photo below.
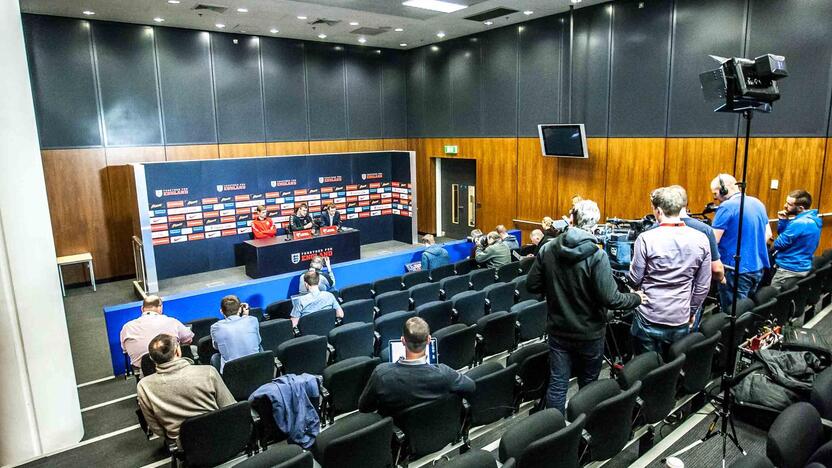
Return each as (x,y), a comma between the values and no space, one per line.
(618,236)
(744,84)
(481,240)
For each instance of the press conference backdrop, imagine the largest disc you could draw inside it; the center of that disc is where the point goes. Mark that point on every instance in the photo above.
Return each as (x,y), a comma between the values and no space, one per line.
(194,213)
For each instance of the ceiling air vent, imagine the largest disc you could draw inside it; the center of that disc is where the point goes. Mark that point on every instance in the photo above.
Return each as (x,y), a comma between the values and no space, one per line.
(214,8)
(370,31)
(325,21)
(491,14)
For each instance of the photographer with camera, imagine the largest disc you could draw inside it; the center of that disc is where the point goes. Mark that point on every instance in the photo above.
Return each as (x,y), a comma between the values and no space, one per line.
(235,336)
(576,277)
(491,252)
(321,265)
(672,265)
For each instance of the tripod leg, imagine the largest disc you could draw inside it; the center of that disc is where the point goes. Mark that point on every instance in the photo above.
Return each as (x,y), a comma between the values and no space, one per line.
(734,437)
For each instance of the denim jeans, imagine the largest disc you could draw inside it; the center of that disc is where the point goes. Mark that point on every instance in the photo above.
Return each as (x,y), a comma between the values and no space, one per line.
(749,282)
(652,337)
(567,357)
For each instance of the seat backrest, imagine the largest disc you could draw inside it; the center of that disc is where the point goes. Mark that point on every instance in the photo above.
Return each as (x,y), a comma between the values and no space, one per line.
(352,340)
(479,279)
(441,272)
(494,396)
(475,458)
(281,309)
(257,312)
(412,278)
(202,327)
(345,380)
(765,294)
(525,264)
(453,285)
(532,320)
(713,324)
(533,368)
(508,272)
(365,447)
(303,354)
(392,301)
(359,311)
(457,345)
(558,450)
(743,305)
(498,331)
(699,363)
(244,375)
(432,425)
(821,397)
(609,421)
(424,293)
(356,292)
(317,323)
(521,292)
(273,333)
(786,301)
(518,437)
(214,438)
(205,349)
(500,296)
(389,327)
(638,367)
(765,311)
(463,267)
(794,436)
(279,456)
(384,285)
(659,390)
(437,314)
(148,366)
(469,306)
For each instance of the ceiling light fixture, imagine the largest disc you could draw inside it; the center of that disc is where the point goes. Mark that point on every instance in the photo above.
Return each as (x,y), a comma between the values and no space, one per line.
(88,12)
(362,40)
(301,17)
(434,48)
(322,36)
(273,31)
(399,29)
(403,44)
(353,23)
(440,34)
(435,5)
(242,10)
(488,23)
(159,20)
(528,12)
(219,25)
(173,2)
(576,1)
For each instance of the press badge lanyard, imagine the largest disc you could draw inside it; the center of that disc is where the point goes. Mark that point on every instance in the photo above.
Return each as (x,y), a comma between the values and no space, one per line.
(673,224)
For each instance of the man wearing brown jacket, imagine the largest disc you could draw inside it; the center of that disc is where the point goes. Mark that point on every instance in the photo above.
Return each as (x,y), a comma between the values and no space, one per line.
(178,390)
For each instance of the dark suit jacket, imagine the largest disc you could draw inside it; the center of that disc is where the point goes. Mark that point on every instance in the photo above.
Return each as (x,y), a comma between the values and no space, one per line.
(324,219)
(296,222)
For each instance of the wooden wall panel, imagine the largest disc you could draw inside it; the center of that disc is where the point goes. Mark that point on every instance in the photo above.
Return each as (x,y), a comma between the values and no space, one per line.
(537,183)
(280,148)
(396,144)
(635,166)
(242,150)
(694,162)
(191,152)
(365,145)
(332,146)
(76,187)
(584,177)
(824,200)
(426,179)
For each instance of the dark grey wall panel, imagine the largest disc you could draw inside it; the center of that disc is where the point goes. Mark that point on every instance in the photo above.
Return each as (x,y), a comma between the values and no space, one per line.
(702,27)
(466,104)
(284,89)
(394,94)
(61,70)
(363,92)
(327,92)
(540,65)
(416,92)
(590,68)
(640,68)
(187,88)
(237,87)
(437,112)
(499,52)
(802,32)
(127,77)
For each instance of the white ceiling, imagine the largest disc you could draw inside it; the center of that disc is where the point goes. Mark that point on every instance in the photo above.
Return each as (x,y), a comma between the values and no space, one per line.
(420,26)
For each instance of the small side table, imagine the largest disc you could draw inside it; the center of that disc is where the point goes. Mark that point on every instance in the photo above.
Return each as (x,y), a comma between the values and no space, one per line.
(85,257)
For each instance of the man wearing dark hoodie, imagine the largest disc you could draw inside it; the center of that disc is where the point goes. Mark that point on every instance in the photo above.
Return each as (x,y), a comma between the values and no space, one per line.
(798,236)
(433,255)
(576,277)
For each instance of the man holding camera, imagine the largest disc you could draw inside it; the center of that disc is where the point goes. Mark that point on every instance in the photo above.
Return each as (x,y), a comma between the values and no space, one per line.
(576,277)
(237,335)
(491,252)
(672,265)
(798,230)
(326,277)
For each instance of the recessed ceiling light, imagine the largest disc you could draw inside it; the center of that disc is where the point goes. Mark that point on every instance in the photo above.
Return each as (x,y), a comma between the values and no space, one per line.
(301,17)
(242,10)
(403,44)
(273,31)
(353,23)
(399,29)
(173,2)
(528,12)
(88,12)
(338,47)
(219,25)
(435,5)
(434,48)
(322,36)
(440,34)
(362,40)
(576,1)
(488,23)
(159,20)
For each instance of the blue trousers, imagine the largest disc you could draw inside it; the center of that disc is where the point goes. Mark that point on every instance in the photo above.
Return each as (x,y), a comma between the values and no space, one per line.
(568,357)
(748,283)
(651,337)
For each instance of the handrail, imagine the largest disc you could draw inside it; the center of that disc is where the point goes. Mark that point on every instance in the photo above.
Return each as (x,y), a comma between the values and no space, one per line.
(773,220)
(138,261)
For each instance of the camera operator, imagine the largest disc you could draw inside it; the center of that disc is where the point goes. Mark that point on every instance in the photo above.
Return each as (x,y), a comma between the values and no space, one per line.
(321,265)
(672,265)
(755,234)
(237,335)
(576,277)
(798,236)
(474,239)
(491,252)
(508,239)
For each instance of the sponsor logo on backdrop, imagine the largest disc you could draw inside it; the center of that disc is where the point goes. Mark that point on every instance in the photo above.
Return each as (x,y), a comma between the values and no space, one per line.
(170,192)
(372,175)
(230,187)
(155,206)
(328,179)
(284,182)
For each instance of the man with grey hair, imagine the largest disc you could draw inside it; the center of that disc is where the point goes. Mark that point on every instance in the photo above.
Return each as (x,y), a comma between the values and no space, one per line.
(672,265)
(576,277)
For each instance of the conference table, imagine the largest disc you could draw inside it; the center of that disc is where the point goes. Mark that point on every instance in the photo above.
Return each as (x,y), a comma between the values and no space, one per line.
(278,255)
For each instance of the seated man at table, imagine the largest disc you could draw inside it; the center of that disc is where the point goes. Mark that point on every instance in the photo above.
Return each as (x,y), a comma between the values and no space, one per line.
(237,335)
(330,217)
(262,226)
(325,274)
(137,333)
(301,219)
(315,300)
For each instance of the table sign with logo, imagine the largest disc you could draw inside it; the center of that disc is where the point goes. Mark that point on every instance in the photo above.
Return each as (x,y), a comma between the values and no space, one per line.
(328,230)
(304,234)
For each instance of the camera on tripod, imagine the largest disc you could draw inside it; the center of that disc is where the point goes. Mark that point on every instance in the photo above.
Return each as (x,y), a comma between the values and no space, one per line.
(618,235)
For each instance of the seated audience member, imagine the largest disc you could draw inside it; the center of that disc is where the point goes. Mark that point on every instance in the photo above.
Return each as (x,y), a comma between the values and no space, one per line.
(492,253)
(798,230)
(330,216)
(178,390)
(235,336)
(395,386)
(301,219)
(263,227)
(508,239)
(434,255)
(314,300)
(137,333)
(475,236)
(671,264)
(549,230)
(325,274)
(530,250)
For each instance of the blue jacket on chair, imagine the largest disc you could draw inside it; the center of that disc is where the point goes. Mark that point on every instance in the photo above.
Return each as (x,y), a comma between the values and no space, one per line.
(295,415)
(797,240)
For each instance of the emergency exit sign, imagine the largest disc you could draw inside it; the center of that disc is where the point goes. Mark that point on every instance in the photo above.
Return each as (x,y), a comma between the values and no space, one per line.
(451,149)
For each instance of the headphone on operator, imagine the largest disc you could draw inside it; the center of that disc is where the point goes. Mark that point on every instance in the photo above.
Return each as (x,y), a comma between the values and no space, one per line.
(723,191)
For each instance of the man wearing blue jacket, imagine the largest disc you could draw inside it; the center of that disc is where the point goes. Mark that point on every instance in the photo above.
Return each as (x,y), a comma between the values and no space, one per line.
(433,255)
(798,237)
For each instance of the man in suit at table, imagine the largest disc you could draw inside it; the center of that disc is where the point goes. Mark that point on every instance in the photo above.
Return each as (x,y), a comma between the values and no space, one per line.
(330,217)
(301,219)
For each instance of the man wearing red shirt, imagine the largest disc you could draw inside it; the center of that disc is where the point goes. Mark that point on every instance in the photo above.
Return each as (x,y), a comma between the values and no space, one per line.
(263,227)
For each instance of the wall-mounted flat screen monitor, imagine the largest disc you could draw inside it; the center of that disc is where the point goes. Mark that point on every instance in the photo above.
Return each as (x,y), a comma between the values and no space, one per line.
(563,140)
